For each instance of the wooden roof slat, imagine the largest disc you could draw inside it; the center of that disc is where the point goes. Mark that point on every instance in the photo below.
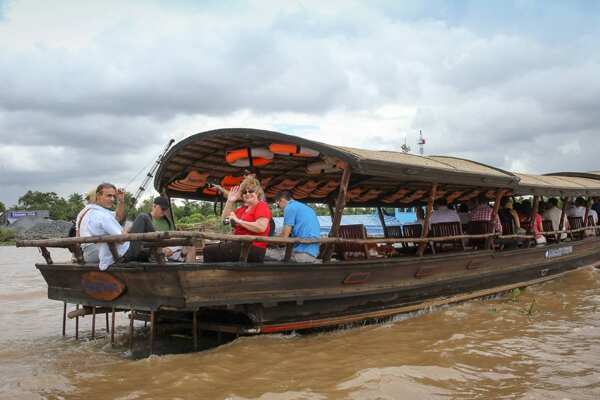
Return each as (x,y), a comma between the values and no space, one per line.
(387,171)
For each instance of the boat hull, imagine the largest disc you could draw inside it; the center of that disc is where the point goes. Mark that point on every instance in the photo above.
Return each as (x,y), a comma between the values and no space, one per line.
(263,298)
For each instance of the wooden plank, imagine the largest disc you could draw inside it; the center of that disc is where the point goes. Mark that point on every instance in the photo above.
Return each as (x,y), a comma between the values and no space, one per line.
(245,251)
(429,211)
(76,250)
(46,255)
(158,255)
(382,220)
(288,252)
(315,323)
(497,200)
(339,209)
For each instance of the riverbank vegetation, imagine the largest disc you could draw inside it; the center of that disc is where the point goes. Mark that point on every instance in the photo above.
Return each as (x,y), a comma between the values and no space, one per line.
(185,212)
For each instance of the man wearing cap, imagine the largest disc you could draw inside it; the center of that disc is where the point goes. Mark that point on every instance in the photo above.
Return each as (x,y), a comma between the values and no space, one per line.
(160,207)
(161,223)
(299,221)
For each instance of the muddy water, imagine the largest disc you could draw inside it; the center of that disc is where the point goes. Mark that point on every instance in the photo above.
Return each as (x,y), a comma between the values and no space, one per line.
(494,349)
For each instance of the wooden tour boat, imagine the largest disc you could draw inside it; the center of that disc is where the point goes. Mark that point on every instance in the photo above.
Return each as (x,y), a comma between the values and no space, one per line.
(355,282)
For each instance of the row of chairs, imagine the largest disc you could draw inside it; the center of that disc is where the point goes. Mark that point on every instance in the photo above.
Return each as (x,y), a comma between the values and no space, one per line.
(445,229)
(414,231)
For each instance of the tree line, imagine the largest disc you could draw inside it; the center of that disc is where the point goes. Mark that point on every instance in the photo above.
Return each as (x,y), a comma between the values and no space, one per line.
(184,212)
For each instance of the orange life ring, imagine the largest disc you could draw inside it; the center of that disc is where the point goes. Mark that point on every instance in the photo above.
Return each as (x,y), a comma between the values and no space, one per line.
(195,178)
(241,157)
(181,188)
(230,181)
(287,149)
(210,191)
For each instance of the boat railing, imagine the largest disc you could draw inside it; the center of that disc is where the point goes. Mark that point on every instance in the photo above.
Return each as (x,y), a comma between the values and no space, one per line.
(156,240)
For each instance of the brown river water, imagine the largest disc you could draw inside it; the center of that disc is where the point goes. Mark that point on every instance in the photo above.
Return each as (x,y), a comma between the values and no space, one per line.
(499,348)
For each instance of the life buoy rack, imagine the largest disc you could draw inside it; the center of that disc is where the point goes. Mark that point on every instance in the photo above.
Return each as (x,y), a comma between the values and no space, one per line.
(249,157)
(295,150)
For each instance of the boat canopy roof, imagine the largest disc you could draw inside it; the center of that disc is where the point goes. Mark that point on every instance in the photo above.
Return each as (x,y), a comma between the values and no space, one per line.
(312,171)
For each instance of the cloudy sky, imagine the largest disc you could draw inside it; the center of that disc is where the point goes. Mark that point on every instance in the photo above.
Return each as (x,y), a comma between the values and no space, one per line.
(91,91)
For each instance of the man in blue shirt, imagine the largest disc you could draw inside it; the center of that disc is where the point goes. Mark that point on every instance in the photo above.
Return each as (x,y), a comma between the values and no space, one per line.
(299,221)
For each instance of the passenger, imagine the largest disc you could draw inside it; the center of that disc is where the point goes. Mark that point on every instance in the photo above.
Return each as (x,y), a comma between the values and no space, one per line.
(483,212)
(579,210)
(299,221)
(161,223)
(596,205)
(252,218)
(443,213)
(99,220)
(534,224)
(553,214)
(508,216)
(463,214)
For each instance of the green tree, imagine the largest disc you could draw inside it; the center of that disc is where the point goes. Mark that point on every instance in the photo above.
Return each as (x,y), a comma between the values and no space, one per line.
(59,208)
(35,200)
(2,207)
(74,205)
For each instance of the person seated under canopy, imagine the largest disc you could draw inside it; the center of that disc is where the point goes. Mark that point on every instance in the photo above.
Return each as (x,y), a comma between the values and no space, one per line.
(300,221)
(251,218)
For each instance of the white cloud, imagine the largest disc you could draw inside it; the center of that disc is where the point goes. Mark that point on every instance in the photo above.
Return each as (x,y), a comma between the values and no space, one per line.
(92,90)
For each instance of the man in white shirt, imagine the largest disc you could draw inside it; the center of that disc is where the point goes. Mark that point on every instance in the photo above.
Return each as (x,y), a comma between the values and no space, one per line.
(442,213)
(580,208)
(553,214)
(90,250)
(99,220)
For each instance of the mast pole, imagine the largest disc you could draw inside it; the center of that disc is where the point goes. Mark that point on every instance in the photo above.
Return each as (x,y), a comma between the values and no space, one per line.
(150,173)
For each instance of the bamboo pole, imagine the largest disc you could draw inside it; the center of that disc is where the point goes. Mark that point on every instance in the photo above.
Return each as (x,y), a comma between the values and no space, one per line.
(428,212)
(46,255)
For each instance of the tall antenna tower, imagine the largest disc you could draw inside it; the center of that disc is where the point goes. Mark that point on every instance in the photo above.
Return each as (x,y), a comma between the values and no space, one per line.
(421,143)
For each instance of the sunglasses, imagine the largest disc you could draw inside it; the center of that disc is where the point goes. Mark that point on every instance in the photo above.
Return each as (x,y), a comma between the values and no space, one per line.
(249,191)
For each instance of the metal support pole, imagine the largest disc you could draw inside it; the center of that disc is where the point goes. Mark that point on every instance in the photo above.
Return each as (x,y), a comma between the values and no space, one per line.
(64,321)
(112,328)
(93,322)
(131,316)
(195,327)
(152,321)
(77,324)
